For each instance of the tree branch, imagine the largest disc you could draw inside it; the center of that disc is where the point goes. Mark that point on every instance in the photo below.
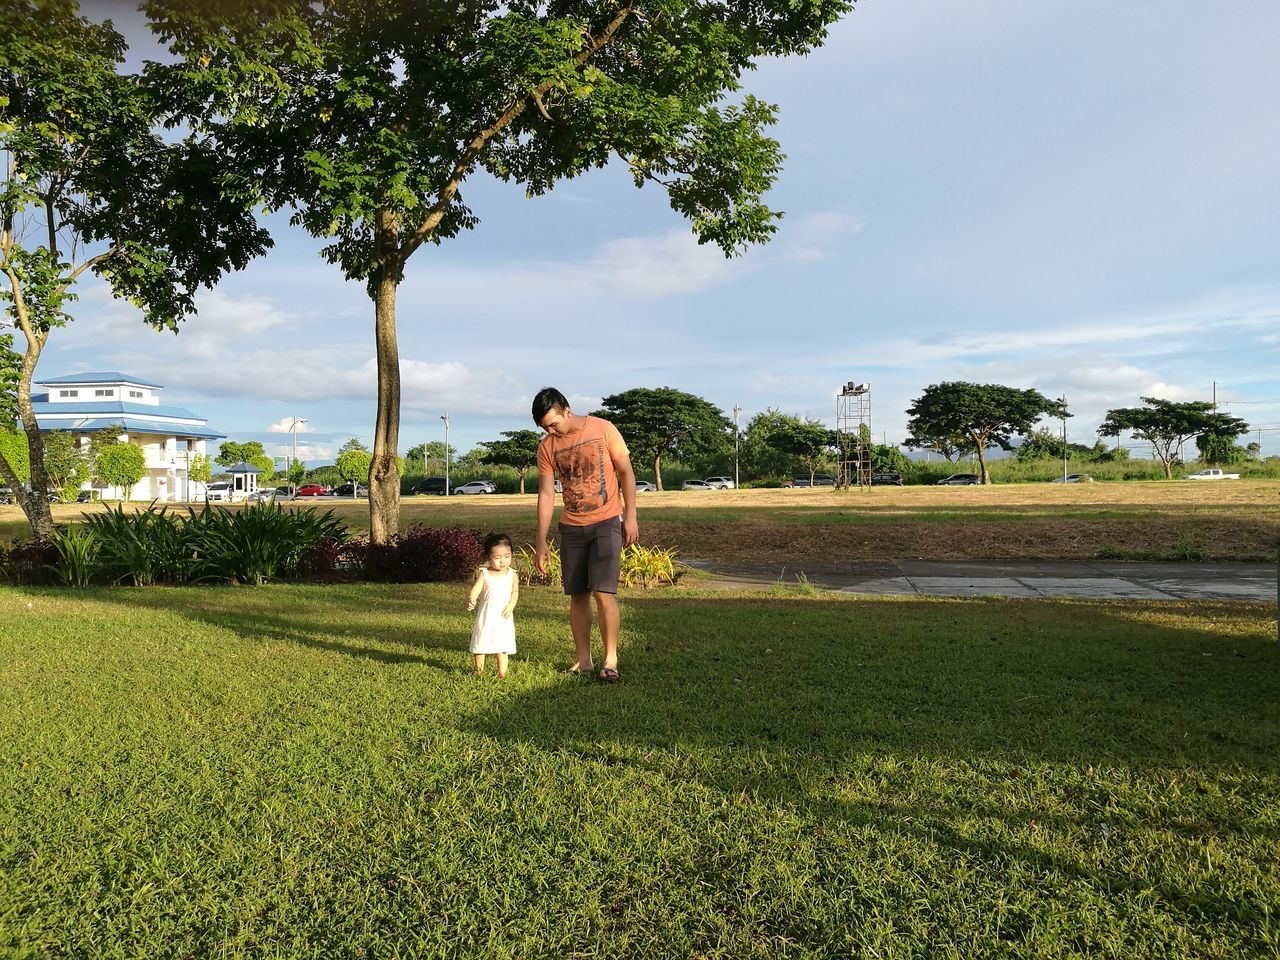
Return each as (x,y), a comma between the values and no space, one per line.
(473,149)
(75,274)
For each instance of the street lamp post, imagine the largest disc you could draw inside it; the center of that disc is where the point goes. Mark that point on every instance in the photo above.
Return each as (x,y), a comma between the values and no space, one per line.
(445,418)
(736,411)
(293,431)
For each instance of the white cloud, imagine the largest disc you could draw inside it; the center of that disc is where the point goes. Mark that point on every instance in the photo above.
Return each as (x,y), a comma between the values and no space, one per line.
(289,425)
(814,236)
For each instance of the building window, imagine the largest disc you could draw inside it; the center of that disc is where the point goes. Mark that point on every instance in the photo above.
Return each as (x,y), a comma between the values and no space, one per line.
(68,393)
(136,393)
(104,393)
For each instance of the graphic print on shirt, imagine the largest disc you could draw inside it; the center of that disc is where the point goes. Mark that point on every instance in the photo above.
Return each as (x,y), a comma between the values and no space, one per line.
(581,471)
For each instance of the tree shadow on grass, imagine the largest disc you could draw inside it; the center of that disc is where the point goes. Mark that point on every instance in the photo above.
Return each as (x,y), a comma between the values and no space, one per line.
(1034,720)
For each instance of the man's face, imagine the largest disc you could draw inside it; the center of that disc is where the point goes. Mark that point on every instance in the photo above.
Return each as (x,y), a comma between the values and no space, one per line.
(558,423)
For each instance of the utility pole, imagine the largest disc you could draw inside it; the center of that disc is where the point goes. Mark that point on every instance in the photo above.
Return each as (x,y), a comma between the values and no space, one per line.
(736,411)
(1063,398)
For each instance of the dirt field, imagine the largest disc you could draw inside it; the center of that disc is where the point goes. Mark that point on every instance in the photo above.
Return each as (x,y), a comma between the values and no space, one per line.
(1229,520)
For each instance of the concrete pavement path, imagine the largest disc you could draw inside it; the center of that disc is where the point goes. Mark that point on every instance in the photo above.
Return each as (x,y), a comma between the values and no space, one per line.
(1129,580)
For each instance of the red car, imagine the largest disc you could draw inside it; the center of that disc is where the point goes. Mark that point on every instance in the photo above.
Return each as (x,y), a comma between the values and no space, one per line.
(311,490)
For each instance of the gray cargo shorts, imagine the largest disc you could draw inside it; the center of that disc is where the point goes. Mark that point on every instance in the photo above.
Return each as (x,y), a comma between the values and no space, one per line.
(590,556)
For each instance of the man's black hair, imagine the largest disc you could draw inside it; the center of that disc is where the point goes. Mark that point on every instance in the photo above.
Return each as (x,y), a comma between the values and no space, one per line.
(496,540)
(548,398)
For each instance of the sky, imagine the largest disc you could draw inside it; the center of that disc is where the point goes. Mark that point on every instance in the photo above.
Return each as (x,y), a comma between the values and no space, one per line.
(1080,198)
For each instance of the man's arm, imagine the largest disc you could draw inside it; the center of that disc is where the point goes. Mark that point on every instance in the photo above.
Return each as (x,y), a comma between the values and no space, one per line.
(627,484)
(546,509)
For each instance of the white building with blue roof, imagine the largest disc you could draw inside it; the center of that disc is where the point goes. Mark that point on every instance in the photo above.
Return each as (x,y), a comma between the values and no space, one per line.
(85,403)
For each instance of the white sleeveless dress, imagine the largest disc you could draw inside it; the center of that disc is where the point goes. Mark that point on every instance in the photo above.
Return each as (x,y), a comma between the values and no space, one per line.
(494,633)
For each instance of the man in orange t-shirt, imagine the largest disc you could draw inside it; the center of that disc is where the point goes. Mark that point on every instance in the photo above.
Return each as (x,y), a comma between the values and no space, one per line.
(598,487)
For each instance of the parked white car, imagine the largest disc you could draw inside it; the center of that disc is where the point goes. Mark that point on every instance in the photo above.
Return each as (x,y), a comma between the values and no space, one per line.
(720,483)
(644,486)
(1073,478)
(1211,473)
(696,485)
(220,491)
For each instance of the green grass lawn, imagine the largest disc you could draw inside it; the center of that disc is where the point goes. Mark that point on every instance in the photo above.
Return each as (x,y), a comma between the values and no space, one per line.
(309,771)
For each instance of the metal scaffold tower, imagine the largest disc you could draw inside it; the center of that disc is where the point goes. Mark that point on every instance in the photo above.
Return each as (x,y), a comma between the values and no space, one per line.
(853,433)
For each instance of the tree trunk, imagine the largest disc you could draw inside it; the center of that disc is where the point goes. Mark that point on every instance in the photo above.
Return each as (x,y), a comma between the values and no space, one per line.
(657,472)
(384,476)
(521,472)
(983,476)
(35,504)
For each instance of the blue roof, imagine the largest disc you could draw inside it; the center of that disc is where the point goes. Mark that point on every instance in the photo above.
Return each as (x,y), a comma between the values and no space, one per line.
(41,403)
(133,425)
(113,376)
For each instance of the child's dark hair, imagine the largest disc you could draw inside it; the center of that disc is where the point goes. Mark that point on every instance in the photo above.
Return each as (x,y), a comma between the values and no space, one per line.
(496,540)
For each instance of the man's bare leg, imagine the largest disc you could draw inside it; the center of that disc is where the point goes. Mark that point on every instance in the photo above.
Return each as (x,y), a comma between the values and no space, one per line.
(608,618)
(580,624)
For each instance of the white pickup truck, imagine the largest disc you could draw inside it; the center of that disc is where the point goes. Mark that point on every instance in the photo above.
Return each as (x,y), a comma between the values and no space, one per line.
(1212,473)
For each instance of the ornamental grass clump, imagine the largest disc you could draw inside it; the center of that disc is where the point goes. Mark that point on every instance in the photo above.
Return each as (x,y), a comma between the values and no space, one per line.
(77,556)
(648,566)
(259,543)
(139,547)
(528,573)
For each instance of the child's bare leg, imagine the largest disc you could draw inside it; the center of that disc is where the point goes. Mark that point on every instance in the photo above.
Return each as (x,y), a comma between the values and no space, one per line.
(502,665)
(478,659)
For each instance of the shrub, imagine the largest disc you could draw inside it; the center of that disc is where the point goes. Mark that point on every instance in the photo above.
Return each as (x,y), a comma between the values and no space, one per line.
(27,561)
(423,554)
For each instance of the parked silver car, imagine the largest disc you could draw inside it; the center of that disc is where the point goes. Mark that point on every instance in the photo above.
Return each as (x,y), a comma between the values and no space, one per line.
(720,483)
(477,486)
(696,485)
(644,486)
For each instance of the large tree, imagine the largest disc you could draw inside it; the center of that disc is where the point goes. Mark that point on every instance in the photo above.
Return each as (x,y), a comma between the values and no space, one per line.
(88,184)
(366,117)
(1167,425)
(976,415)
(664,422)
(519,451)
(810,442)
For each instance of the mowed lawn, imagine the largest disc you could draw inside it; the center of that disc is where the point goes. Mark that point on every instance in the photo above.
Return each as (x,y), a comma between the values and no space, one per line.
(309,771)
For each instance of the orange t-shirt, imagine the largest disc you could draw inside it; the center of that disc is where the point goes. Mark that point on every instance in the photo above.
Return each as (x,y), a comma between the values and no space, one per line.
(584,463)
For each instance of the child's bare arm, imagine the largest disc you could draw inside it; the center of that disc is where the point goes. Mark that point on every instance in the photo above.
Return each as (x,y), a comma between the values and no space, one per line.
(477,586)
(515,596)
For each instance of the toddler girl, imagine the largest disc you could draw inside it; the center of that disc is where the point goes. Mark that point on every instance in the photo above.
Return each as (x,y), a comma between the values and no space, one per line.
(497,588)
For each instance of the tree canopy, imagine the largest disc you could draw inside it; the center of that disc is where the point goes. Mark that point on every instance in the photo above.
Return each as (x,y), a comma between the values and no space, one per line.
(977,415)
(353,465)
(121,465)
(89,184)
(231,452)
(810,442)
(663,422)
(519,451)
(1167,425)
(366,117)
